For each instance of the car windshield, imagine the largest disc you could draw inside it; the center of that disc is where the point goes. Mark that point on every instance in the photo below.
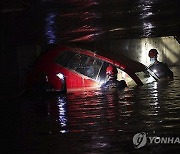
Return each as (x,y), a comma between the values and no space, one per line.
(85,65)
(63,58)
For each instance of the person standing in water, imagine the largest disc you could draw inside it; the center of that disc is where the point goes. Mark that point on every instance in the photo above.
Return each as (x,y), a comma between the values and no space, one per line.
(159,68)
(112,82)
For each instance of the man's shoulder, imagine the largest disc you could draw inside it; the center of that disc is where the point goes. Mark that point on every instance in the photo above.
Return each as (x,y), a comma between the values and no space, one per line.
(161,63)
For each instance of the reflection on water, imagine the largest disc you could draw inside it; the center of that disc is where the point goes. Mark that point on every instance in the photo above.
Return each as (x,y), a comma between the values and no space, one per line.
(50,28)
(99,122)
(58,111)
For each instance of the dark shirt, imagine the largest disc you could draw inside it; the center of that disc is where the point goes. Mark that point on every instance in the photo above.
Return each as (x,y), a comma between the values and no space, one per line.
(161,70)
(113,83)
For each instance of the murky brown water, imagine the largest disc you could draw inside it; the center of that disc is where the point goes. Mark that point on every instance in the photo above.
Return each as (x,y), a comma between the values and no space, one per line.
(93,121)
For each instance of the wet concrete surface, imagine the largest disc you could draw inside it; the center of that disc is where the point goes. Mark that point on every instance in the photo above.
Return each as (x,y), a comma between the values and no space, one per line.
(92,121)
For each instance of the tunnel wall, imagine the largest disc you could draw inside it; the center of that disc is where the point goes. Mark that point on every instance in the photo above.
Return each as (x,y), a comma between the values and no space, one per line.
(16,61)
(137,49)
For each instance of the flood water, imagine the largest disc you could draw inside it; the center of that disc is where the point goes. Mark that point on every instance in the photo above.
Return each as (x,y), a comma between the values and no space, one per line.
(93,122)
(90,122)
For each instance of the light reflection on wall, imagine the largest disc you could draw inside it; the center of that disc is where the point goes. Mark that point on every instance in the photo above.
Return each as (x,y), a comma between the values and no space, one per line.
(145,47)
(147,28)
(171,49)
(87,29)
(83,4)
(146,9)
(50,21)
(168,49)
(87,38)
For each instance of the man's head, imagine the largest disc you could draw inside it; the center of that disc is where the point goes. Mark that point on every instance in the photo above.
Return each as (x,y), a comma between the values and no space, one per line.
(111,71)
(153,55)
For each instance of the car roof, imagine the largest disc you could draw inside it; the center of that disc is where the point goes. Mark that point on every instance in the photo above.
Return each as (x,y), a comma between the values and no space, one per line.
(118,60)
(124,61)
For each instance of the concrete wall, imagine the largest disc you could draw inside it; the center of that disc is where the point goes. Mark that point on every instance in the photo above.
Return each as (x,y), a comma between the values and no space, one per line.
(137,49)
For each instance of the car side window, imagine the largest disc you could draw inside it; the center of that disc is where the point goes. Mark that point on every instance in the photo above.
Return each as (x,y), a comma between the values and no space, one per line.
(63,58)
(86,65)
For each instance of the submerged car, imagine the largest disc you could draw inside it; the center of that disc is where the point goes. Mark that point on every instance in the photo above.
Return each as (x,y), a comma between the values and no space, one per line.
(68,68)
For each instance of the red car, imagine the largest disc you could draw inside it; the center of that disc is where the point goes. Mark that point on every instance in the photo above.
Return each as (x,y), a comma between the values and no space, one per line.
(66,68)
